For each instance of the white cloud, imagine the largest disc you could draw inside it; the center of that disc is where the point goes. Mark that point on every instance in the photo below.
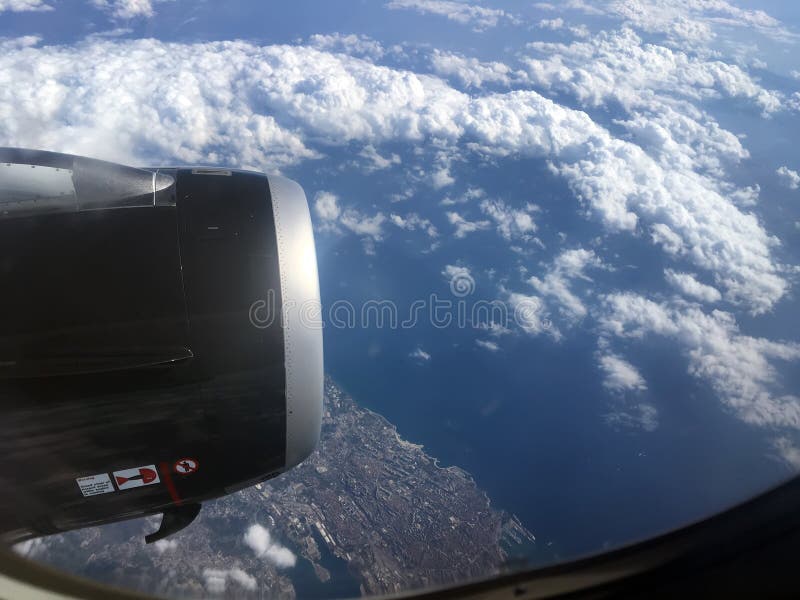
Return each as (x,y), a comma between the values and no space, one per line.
(127,9)
(178,103)
(529,313)
(746,196)
(488,345)
(420,354)
(110,33)
(738,367)
(363,225)
(788,451)
(494,329)
(512,223)
(334,219)
(478,17)
(552,24)
(621,66)
(789,178)
(412,222)
(259,540)
(168,102)
(326,206)
(637,416)
(464,227)
(555,284)
(689,286)
(658,87)
(471,72)
(466,197)
(620,375)
(687,216)
(375,161)
(442,178)
(245,580)
(682,21)
(624,381)
(162,546)
(452,272)
(580,31)
(216,580)
(24,6)
(352,44)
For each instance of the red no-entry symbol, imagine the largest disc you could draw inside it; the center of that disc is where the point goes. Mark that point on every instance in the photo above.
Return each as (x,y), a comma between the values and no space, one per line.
(185,466)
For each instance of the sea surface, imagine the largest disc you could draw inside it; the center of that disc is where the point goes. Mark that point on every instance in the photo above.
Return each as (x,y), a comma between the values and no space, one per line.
(531,421)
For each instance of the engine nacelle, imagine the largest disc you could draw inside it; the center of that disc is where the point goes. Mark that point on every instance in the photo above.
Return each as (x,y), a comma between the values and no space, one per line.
(160,339)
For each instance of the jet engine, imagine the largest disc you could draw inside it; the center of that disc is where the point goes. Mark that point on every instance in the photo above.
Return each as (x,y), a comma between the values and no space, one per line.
(160,339)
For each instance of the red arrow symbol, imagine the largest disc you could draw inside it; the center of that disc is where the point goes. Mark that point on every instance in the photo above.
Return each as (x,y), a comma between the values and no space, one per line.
(146,475)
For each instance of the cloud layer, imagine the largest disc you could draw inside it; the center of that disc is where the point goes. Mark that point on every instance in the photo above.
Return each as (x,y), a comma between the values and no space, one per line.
(24,6)
(260,541)
(478,17)
(740,368)
(293,102)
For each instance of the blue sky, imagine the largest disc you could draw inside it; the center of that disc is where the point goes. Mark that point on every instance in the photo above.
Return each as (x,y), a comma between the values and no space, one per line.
(620,176)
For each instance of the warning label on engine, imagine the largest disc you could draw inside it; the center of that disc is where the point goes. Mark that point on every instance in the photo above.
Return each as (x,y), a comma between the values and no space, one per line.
(94,485)
(131,478)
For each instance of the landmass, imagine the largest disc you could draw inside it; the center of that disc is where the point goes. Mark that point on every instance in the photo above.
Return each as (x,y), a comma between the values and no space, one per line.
(367,513)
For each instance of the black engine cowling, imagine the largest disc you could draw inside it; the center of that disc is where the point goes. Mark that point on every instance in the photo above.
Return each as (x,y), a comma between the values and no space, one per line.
(160,343)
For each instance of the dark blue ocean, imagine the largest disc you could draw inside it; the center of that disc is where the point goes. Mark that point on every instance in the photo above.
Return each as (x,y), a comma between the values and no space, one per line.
(528,422)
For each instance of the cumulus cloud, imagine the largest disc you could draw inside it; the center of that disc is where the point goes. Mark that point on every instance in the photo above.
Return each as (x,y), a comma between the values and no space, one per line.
(162,546)
(552,24)
(689,286)
(326,206)
(788,451)
(478,17)
(512,223)
(789,178)
(110,33)
(619,65)
(334,219)
(464,227)
(637,416)
(352,44)
(472,72)
(619,374)
(363,225)
(420,354)
(688,219)
(738,367)
(555,283)
(530,314)
(682,21)
(376,162)
(260,541)
(292,102)
(127,9)
(441,177)
(24,6)
(493,328)
(659,88)
(413,222)
(488,345)
(454,272)
(174,107)
(216,580)
(471,194)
